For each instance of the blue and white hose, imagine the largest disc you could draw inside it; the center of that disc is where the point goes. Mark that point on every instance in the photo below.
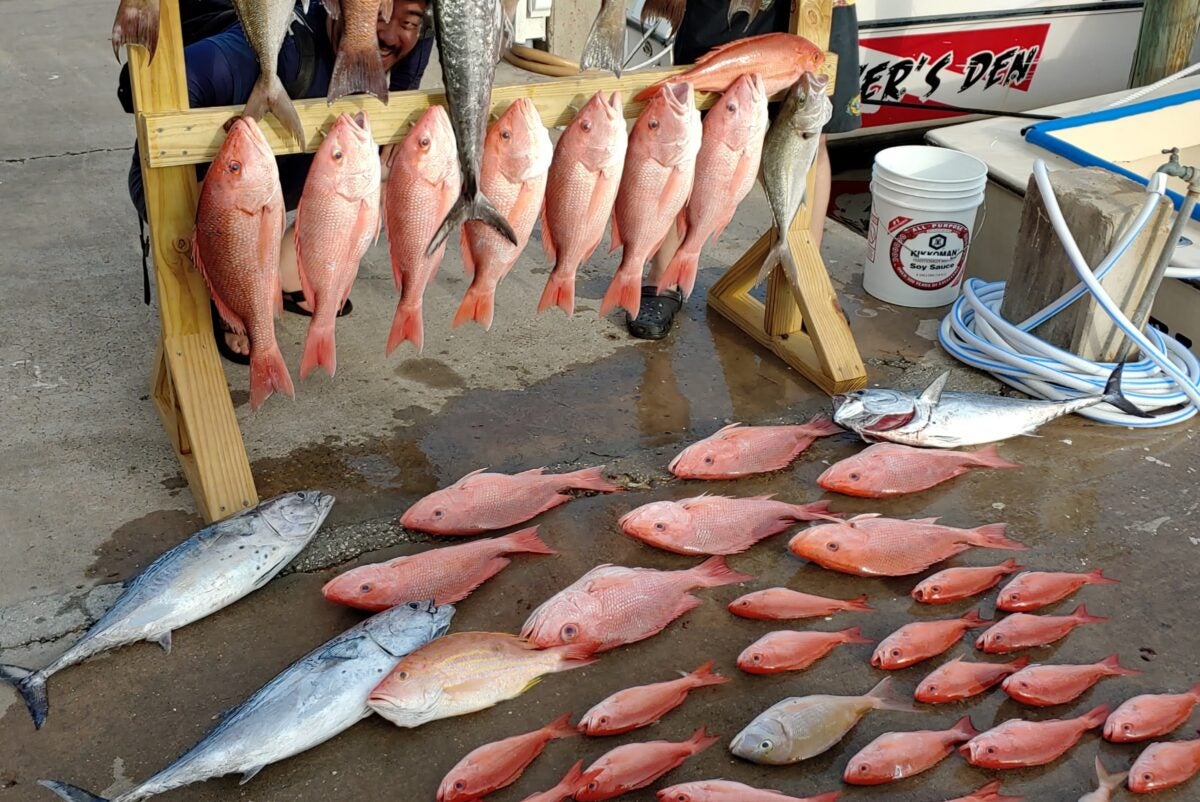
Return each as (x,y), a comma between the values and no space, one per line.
(1166,376)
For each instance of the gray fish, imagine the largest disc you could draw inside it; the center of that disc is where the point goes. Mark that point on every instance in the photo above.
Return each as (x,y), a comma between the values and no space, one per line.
(940,419)
(788,154)
(309,702)
(210,570)
(750,8)
(805,726)
(266,24)
(468,39)
(605,45)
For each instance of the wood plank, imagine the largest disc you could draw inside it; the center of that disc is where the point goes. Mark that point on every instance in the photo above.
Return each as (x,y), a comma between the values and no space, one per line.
(740,278)
(193,136)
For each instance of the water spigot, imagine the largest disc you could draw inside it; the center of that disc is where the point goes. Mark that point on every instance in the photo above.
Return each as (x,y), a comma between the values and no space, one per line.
(1175,169)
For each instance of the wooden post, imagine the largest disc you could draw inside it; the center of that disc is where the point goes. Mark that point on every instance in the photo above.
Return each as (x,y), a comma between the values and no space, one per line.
(188,386)
(1166,39)
(802,323)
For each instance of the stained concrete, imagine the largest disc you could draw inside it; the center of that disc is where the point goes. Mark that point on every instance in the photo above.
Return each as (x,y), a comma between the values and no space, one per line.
(90,492)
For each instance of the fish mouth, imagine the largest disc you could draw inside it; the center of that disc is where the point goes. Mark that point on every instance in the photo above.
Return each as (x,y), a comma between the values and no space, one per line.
(917,593)
(877,660)
(815,82)
(678,96)
(614,106)
(968,751)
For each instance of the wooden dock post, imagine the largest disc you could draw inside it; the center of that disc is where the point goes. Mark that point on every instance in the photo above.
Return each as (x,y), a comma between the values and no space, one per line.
(1165,43)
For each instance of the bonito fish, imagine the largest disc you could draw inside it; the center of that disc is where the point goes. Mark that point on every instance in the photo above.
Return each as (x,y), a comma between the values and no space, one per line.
(938,418)
(210,570)
(312,700)
(266,25)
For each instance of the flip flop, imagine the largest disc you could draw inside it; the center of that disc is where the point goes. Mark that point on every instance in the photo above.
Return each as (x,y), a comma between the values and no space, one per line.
(657,313)
(293,299)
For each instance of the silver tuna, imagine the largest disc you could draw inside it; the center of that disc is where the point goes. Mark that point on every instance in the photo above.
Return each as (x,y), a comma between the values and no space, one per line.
(788,154)
(312,700)
(210,570)
(945,419)
(469,35)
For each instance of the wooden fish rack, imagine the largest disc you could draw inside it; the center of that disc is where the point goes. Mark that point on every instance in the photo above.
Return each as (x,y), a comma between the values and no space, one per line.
(802,324)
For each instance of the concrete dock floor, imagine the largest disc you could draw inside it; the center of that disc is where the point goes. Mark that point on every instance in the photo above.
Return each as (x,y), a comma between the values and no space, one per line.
(90,492)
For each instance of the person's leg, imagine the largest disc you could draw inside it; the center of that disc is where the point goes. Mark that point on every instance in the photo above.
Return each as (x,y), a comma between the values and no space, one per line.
(289,268)
(819,202)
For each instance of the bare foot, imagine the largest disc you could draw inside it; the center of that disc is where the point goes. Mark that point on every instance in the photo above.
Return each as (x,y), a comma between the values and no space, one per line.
(238,343)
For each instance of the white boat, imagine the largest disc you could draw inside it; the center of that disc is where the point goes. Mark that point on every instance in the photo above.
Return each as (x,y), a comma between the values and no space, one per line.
(986,54)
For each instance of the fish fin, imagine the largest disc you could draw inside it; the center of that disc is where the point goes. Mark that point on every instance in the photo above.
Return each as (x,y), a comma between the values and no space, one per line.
(1010,566)
(604,50)
(589,479)
(1109,780)
(560,728)
(573,655)
(859,603)
(526,541)
(682,270)
(854,635)
(560,292)
(571,779)
(163,640)
(547,236)
(268,373)
(1018,664)
(933,393)
(477,208)
(973,620)
(407,325)
(705,675)
(625,292)
(1113,396)
(774,259)
(821,425)
(385,10)
(615,237)
(231,318)
(248,774)
(865,516)
(993,536)
(136,26)
(1095,717)
(1112,664)
(701,739)
(964,729)
(269,94)
(70,792)
(713,573)
(320,348)
(333,8)
(989,457)
(356,71)
(1097,577)
(1082,615)
(479,305)
(32,687)
(885,697)
(815,511)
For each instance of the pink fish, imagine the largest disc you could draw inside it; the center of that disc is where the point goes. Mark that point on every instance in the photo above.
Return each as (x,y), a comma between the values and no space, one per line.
(1024,631)
(887,470)
(1019,744)
(739,450)
(1048,685)
(956,584)
(566,786)
(1165,765)
(633,766)
(899,755)
(496,765)
(1150,715)
(774,604)
(631,708)
(958,680)
(482,502)
(1034,589)
(781,651)
(716,524)
(611,605)
(988,793)
(922,640)
(729,791)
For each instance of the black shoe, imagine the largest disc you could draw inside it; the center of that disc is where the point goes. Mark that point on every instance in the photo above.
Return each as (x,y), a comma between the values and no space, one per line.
(293,299)
(656,314)
(220,329)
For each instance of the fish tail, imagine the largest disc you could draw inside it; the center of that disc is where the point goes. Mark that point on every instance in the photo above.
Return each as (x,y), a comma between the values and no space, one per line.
(269,94)
(319,348)
(358,70)
(560,292)
(705,675)
(479,305)
(471,206)
(993,536)
(682,270)
(854,635)
(821,425)
(1019,663)
(70,792)
(885,697)
(590,479)
(32,687)
(989,457)
(859,603)
(1095,717)
(1112,664)
(964,729)
(989,791)
(525,541)
(714,572)
(774,258)
(1109,780)
(268,373)
(973,619)
(701,739)
(1010,565)
(815,511)
(651,90)
(624,292)
(136,24)
(1082,615)
(1113,396)
(605,45)
(560,728)
(407,325)
(575,655)
(1097,577)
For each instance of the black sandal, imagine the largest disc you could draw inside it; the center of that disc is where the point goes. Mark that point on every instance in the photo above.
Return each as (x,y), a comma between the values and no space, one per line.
(293,299)
(220,329)
(657,313)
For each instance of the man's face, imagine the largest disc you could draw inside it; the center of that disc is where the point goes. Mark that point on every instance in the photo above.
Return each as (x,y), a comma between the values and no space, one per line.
(399,36)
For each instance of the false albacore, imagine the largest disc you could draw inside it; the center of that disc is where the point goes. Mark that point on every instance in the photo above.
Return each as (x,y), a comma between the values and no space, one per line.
(312,700)
(210,570)
(938,419)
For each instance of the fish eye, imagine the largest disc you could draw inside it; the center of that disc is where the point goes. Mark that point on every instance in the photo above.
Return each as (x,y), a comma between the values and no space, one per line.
(708,460)
(766,745)
(592,785)
(402,676)
(854,477)
(586,125)
(997,638)
(731,106)
(365,588)
(1014,596)
(991,750)
(660,526)
(604,719)
(895,652)
(506,134)
(863,768)
(653,124)
(235,167)
(424,141)
(411,605)
(460,785)
(931,689)
(337,155)
(570,632)
(831,546)
(1127,727)
(681,798)
(935,589)
(756,657)
(438,513)
(1147,776)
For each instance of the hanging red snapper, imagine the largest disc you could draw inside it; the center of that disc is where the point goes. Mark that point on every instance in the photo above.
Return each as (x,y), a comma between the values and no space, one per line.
(239,226)
(336,221)
(740,450)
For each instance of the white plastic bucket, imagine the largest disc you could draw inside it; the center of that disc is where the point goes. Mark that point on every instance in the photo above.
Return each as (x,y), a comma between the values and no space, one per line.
(924,206)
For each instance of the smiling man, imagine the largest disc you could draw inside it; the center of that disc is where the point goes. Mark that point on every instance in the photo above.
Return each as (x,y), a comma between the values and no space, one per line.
(222,69)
